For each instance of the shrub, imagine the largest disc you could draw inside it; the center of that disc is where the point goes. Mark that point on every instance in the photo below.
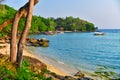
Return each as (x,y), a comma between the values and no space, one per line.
(8,71)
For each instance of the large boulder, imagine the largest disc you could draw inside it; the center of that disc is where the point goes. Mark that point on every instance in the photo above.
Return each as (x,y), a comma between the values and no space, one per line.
(45,45)
(32,40)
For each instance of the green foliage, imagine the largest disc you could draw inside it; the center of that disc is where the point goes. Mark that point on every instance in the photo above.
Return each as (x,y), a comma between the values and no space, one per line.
(41,24)
(74,24)
(6,13)
(24,73)
(2,34)
(105,73)
(9,72)
(21,24)
(5,73)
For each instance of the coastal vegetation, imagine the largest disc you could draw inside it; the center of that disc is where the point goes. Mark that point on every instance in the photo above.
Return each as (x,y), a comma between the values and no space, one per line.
(12,66)
(41,24)
(11,70)
(28,71)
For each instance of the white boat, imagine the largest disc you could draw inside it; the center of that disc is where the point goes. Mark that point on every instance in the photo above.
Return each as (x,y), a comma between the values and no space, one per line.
(60,32)
(98,33)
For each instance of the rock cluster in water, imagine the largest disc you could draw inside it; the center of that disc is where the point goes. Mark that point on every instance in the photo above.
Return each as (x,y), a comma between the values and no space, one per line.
(38,42)
(29,41)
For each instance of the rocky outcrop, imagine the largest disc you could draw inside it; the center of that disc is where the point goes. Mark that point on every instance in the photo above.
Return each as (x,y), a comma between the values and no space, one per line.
(55,76)
(5,39)
(85,78)
(29,41)
(79,74)
(37,42)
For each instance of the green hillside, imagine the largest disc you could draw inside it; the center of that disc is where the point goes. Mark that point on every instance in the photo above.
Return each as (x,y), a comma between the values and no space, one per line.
(41,24)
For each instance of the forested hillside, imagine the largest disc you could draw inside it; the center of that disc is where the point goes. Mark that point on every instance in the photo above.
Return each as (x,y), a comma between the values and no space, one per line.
(41,24)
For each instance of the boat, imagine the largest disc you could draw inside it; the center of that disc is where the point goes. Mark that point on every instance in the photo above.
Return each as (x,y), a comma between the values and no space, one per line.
(60,32)
(49,33)
(99,33)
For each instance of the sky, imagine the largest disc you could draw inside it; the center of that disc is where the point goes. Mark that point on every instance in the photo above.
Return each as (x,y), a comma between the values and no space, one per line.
(105,14)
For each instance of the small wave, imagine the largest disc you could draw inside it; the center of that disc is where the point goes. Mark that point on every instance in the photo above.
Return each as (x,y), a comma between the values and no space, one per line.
(60,62)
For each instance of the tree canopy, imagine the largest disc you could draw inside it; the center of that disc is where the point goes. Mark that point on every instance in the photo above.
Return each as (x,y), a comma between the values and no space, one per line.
(41,24)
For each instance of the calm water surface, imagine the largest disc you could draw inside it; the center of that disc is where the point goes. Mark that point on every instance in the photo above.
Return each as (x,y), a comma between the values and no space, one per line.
(84,50)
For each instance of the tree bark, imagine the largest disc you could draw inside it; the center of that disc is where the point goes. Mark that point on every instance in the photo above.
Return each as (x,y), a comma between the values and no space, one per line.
(25,33)
(13,46)
(5,24)
(22,12)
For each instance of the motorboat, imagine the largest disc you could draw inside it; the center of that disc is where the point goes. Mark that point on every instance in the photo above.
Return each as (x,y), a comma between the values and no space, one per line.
(99,33)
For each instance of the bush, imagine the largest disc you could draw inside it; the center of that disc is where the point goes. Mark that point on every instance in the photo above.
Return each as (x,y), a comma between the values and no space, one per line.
(8,71)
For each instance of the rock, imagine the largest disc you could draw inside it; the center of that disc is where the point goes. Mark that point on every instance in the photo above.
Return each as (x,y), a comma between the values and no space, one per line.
(32,40)
(36,45)
(79,74)
(5,39)
(36,42)
(45,45)
(8,41)
(35,64)
(69,78)
(4,46)
(2,41)
(44,40)
(59,77)
(85,78)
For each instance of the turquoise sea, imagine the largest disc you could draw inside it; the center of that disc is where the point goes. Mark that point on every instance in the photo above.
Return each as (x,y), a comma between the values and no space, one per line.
(82,51)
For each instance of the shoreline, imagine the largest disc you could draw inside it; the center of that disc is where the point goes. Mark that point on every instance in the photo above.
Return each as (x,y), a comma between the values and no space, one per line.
(26,52)
(53,67)
(68,70)
(63,67)
(49,66)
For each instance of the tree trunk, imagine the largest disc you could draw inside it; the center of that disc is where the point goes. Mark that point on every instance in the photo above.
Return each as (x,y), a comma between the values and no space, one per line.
(24,33)
(5,24)
(13,46)
(22,12)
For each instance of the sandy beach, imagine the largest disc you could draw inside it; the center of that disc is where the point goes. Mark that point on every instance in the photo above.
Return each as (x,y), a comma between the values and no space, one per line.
(57,70)
(6,50)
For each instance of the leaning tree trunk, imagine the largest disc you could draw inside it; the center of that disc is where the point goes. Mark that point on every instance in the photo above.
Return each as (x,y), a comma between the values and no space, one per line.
(24,33)
(13,46)
(22,12)
(5,24)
